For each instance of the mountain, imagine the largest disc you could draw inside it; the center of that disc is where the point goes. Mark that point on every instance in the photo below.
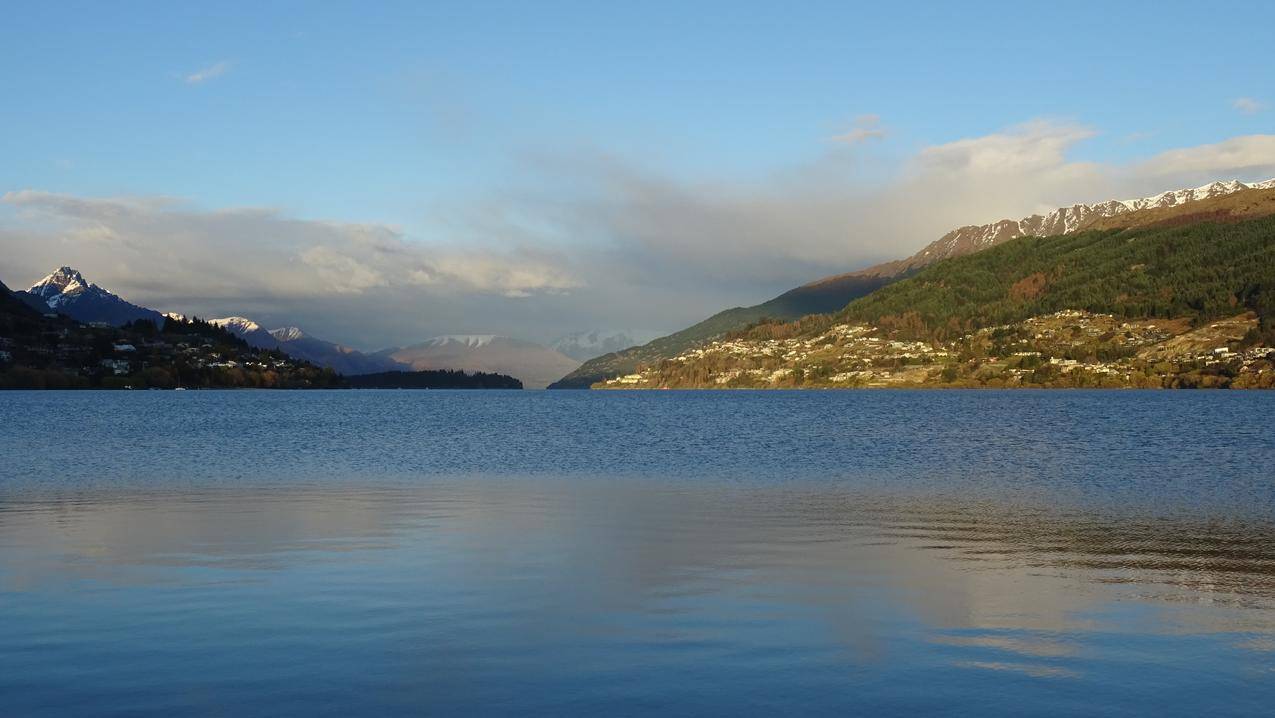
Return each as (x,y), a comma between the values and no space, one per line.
(66,291)
(299,345)
(247,330)
(343,359)
(287,334)
(583,346)
(535,365)
(532,364)
(975,238)
(833,293)
(43,351)
(1174,295)
(814,298)
(15,304)
(30,300)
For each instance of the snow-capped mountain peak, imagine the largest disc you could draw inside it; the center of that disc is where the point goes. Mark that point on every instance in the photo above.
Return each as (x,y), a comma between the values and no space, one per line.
(287,334)
(66,291)
(62,283)
(236,325)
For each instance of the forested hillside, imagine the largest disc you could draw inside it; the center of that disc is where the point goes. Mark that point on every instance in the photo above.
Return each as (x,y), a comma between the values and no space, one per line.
(1179,302)
(1200,271)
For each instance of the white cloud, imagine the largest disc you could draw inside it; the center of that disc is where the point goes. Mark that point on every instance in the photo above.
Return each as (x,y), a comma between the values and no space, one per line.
(1248,154)
(217,69)
(833,214)
(866,127)
(585,239)
(1248,105)
(1031,147)
(160,248)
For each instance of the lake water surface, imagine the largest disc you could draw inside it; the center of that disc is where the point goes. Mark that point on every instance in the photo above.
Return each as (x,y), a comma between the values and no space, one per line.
(607,553)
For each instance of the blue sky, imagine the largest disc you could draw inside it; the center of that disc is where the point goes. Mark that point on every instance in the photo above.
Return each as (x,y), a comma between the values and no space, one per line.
(423,117)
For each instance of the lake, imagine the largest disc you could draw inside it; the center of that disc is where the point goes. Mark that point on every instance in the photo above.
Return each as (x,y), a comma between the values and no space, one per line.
(608,553)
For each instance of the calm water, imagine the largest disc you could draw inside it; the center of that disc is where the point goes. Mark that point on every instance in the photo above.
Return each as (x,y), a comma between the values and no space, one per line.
(876,553)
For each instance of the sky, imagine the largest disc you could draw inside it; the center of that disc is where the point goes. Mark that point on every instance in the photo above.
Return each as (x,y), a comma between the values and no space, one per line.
(379,173)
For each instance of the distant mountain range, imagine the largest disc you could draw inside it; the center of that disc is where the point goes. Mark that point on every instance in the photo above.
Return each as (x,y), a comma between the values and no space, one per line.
(296,343)
(583,346)
(832,293)
(68,293)
(534,364)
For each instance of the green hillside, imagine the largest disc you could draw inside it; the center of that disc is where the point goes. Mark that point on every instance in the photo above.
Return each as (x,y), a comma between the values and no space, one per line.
(1201,271)
(818,298)
(1165,305)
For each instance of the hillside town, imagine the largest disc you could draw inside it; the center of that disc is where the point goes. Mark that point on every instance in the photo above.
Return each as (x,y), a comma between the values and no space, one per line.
(1070,348)
(52,351)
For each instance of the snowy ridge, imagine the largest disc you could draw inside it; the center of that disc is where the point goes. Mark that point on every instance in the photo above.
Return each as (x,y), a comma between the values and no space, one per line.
(236,325)
(473,341)
(973,238)
(287,334)
(62,285)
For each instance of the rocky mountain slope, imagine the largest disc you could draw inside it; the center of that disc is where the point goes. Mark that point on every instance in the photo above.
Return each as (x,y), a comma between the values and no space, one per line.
(975,238)
(1171,296)
(67,292)
(832,293)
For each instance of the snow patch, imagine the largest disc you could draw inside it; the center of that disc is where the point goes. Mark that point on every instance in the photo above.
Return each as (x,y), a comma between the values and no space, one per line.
(287,334)
(473,341)
(236,325)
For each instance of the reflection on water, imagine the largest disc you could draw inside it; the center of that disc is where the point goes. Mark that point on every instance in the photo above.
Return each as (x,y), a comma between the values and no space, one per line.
(635,593)
(541,595)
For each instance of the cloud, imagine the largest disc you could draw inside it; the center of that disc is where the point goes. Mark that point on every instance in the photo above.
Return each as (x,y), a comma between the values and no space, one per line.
(1248,105)
(1031,147)
(1236,155)
(745,241)
(202,75)
(866,127)
(581,238)
(163,249)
